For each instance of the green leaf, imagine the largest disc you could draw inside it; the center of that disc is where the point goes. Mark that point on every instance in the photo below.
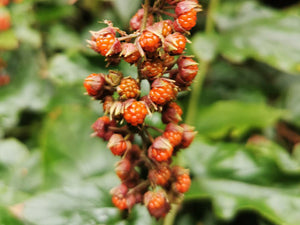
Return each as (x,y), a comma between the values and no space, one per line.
(8,40)
(27,89)
(70,153)
(249,30)
(235,117)
(64,69)
(252,177)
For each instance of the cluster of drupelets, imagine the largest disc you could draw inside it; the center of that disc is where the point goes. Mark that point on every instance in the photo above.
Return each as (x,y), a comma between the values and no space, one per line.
(5,24)
(146,171)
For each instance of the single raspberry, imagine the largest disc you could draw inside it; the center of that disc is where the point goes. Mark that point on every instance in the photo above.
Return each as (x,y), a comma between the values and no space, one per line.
(94,84)
(172,113)
(130,53)
(183,183)
(186,21)
(4,21)
(128,88)
(119,196)
(157,203)
(152,69)
(107,44)
(173,133)
(183,180)
(167,28)
(135,113)
(168,60)
(136,20)
(188,135)
(123,168)
(160,176)
(101,127)
(162,91)
(118,145)
(161,150)
(186,6)
(149,41)
(175,43)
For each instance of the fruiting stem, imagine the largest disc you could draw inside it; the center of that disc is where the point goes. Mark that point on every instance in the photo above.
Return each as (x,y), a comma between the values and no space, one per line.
(195,95)
(145,16)
(164,12)
(155,128)
(130,36)
(139,187)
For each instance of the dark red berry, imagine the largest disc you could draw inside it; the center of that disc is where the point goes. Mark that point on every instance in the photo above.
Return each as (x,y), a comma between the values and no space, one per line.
(175,43)
(118,145)
(172,113)
(162,91)
(157,203)
(136,20)
(161,150)
(149,41)
(152,69)
(94,84)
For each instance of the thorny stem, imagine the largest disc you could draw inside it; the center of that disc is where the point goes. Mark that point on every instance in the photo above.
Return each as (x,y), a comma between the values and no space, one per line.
(195,95)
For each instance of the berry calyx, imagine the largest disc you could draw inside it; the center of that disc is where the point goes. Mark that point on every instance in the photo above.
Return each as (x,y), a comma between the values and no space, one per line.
(128,88)
(162,91)
(173,133)
(136,20)
(130,53)
(188,135)
(149,41)
(101,127)
(135,113)
(172,113)
(123,168)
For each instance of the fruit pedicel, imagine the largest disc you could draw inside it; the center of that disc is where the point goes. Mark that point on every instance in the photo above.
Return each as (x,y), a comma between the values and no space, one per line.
(156,47)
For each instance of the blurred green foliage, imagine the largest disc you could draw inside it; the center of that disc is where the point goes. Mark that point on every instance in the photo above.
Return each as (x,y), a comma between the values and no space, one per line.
(244,159)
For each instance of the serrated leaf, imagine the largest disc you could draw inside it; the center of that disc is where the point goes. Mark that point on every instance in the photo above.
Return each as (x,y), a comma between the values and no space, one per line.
(249,30)
(235,117)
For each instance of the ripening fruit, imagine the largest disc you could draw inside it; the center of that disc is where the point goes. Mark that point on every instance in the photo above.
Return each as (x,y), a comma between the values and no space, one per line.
(135,113)
(94,83)
(161,150)
(172,113)
(107,44)
(149,41)
(152,69)
(136,20)
(186,21)
(128,88)
(162,91)
(175,43)
(157,203)
(118,145)
(173,133)
(160,176)
(4,21)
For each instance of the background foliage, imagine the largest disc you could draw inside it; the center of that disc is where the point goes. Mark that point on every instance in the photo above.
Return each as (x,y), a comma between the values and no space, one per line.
(245,161)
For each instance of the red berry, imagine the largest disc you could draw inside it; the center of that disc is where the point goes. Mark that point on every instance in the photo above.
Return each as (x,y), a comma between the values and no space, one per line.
(118,145)
(94,84)
(172,113)
(167,28)
(128,88)
(187,70)
(107,44)
(160,176)
(162,91)
(136,20)
(119,196)
(4,21)
(183,183)
(186,6)
(149,41)
(186,21)
(152,69)
(173,133)
(183,180)
(175,43)
(135,113)
(161,150)
(157,203)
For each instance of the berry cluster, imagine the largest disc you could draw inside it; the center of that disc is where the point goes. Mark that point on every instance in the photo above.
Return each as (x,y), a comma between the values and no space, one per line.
(146,171)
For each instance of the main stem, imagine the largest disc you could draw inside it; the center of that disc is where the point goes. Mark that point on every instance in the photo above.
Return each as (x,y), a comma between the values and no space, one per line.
(195,95)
